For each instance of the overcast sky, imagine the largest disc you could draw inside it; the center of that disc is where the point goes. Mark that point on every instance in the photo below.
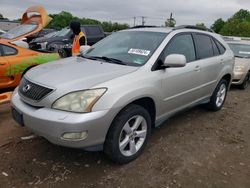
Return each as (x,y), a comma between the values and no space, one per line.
(155,11)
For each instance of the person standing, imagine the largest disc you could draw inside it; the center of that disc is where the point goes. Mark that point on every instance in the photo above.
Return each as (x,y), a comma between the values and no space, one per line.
(79,38)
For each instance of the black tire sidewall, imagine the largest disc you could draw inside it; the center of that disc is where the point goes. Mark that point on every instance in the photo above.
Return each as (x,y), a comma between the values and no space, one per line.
(245,83)
(212,105)
(111,145)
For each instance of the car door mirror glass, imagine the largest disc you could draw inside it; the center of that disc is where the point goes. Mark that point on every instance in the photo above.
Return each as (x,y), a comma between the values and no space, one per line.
(175,60)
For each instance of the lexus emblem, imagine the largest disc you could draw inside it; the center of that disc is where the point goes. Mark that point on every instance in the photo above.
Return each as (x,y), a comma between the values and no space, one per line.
(26,88)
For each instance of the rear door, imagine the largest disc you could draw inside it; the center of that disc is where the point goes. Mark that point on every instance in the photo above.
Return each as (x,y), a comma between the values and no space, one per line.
(210,62)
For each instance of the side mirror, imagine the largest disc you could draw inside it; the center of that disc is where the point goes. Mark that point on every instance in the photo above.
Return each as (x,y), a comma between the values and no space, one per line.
(175,60)
(84,49)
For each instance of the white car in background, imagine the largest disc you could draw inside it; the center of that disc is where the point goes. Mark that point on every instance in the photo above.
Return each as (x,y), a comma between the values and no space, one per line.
(241,49)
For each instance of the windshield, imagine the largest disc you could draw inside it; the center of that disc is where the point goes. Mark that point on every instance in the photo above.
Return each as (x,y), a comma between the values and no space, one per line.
(19,31)
(131,47)
(62,32)
(240,50)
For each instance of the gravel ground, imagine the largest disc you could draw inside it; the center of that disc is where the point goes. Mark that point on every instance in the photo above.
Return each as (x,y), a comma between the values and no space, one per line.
(197,148)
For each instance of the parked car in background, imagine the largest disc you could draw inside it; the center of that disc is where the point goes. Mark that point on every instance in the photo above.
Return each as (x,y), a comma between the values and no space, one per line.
(15,57)
(241,49)
(40,34)
(63,39)
(112,95)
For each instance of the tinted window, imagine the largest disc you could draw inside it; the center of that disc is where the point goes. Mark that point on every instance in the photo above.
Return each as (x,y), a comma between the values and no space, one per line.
(215,48)
(92,30)
(240,50)
(182,44)
(203,46)
(8,50)
(221,47)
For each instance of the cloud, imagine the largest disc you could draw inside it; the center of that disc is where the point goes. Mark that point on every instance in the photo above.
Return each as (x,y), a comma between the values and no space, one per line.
(156,11)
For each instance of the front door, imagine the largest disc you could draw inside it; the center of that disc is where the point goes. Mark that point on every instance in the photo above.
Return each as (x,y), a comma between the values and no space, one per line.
(180,86)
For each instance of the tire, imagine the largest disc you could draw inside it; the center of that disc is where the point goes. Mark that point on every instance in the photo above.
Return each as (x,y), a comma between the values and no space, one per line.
(123,134)
(245,83)
(219,96)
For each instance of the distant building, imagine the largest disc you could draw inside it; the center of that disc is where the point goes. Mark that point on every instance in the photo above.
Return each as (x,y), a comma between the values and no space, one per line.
(6,25)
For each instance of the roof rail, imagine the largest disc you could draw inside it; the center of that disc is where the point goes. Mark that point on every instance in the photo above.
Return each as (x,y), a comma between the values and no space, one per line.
(143,26)
(193,27)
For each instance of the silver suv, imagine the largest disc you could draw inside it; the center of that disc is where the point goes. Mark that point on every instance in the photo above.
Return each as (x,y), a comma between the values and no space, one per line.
(111,96)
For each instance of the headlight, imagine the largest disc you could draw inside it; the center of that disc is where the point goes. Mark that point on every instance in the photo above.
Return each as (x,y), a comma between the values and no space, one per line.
(239,68)
(79,101)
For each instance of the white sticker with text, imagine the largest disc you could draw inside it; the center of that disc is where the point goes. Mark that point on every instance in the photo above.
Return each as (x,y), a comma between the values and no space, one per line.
(139,52)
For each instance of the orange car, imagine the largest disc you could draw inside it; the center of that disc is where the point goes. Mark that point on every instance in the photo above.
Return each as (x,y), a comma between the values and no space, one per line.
(16,60)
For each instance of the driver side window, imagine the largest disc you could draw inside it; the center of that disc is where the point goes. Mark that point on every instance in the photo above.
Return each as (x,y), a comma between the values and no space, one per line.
(182,44)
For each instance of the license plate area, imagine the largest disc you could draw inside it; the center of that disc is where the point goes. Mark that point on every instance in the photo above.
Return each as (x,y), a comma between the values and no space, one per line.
(18,117)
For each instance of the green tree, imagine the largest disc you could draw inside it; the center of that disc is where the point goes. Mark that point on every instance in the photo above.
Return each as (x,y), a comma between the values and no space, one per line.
(201,25)
(60,20)
(237,25)
(218,25)
(2,17)
(170,22)
(63,19)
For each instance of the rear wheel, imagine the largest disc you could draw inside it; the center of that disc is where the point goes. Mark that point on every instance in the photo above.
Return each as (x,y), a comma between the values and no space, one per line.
(128,134)
(219,96)
(245,83)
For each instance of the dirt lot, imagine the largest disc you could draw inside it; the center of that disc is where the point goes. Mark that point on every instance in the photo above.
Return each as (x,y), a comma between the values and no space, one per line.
(194,149)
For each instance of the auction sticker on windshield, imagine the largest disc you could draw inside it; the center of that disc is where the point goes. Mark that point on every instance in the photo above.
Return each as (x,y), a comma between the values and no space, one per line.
(139,52)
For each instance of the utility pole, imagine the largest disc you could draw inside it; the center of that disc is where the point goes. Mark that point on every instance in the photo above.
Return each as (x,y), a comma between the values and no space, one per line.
(171,18)
(142,20)
(134,20)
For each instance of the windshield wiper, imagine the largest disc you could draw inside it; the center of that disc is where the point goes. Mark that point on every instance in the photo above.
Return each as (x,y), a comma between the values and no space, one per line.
(238,56)
(107,59)
(242,56)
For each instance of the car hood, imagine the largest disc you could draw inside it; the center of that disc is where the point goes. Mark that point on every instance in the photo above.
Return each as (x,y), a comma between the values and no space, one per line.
(76,73)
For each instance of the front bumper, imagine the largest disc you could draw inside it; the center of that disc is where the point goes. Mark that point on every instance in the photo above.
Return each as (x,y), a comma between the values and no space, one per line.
(52,124)
(238,78)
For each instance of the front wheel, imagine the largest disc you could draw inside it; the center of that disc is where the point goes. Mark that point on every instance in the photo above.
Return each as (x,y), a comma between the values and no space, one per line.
(219,96)
(128,134)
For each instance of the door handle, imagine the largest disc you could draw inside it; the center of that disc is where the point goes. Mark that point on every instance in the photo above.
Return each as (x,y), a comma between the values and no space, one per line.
(197,68)
(222,61)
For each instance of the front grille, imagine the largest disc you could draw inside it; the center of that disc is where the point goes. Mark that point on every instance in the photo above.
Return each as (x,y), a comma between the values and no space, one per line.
(33,91)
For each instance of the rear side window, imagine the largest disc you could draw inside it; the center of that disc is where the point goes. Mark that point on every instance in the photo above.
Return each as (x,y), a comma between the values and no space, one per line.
(222,49)
(182,44)
(8,50)
(204,46)
(215,48)
(92,30)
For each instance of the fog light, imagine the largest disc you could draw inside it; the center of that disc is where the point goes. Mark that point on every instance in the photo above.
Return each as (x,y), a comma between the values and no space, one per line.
(75,136)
